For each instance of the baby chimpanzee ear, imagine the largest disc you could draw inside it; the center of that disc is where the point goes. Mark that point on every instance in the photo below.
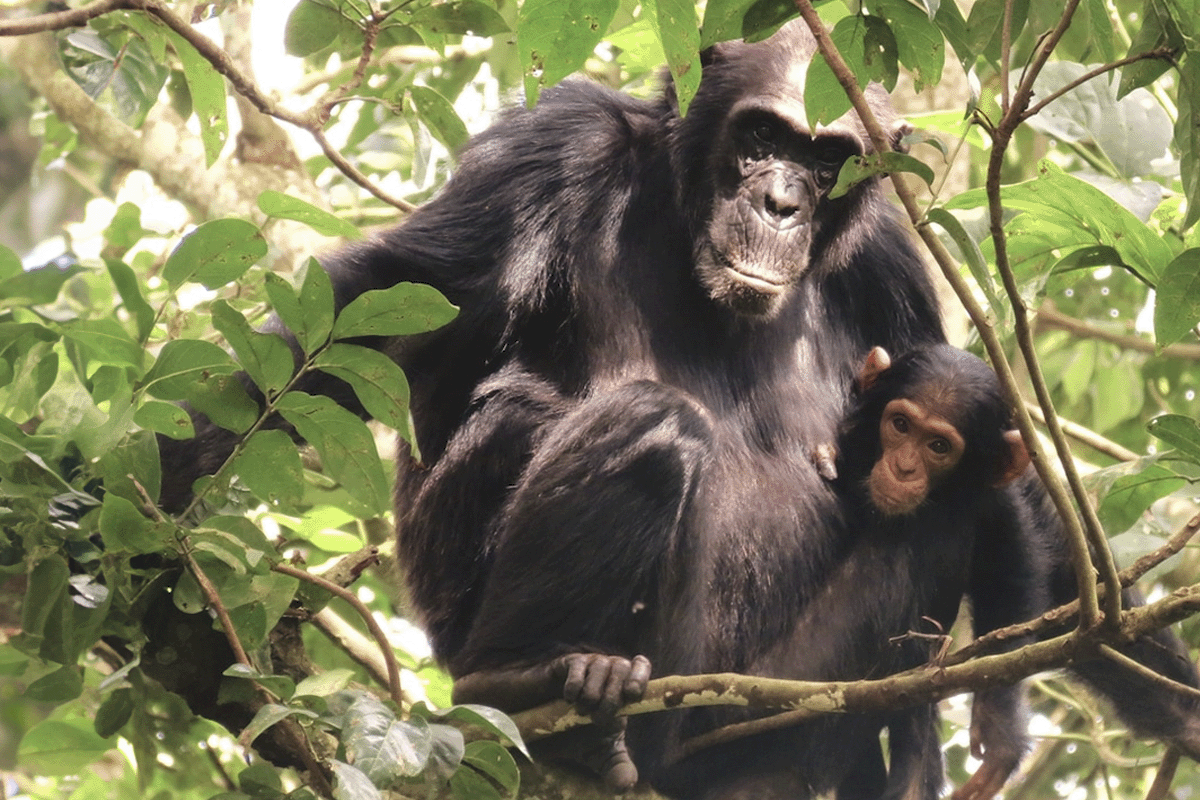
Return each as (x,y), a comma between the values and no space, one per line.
(876,363)
(1017,461)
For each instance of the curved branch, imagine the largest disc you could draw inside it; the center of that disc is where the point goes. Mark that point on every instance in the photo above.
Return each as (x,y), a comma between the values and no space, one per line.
(1086,436)
(1161,52)
(1050,317)
(385,647)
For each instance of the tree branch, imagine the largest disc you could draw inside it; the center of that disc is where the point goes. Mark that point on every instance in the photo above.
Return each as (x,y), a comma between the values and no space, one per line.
(1050,317)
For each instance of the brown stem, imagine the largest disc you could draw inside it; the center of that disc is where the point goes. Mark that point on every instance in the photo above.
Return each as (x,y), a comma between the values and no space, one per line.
(385,647)
(1050,317)
(1161,52)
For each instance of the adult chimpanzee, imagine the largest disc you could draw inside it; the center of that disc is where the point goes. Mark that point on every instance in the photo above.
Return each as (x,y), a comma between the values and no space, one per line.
(660,317)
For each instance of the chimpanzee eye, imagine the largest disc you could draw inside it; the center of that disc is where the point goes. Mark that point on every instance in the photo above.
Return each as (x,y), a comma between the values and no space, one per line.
(900,423)
(830,153)
(765,132)
(940,446)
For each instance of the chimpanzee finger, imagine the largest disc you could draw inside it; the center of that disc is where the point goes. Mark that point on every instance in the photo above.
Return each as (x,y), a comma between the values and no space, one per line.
(635,683)
(577,675)
(606,677)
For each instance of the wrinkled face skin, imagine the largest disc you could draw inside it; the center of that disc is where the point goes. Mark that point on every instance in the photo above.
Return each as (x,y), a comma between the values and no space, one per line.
(920,448)
(767,210)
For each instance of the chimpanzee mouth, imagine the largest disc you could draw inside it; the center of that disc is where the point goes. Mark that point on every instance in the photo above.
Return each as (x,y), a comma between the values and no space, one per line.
(757,283)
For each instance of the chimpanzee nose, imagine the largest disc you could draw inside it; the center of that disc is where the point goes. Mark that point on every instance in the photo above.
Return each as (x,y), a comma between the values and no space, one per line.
(781,199)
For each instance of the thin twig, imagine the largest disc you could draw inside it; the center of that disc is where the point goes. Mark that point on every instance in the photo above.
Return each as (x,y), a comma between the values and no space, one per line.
(1090,532)
(1161,681)
(1050,317)
(1086,436)
(1165,775)
(385,647)
(1161,52)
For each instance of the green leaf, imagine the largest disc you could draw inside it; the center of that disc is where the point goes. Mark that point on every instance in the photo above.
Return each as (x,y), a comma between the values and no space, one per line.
(1180,432)
(919,43)
(970,252)
(458,17)
(10,264)
(556,37)
(309,315)
(401,310)
(954,26)
(859,168)
(494,760)
(380,384)
(824,98)
(266,357)
(383,747)
(352,784)
(165,418)
(215,253)
(1177,301)
(1152,34)
(312,26)
(675,23)
(124,78)
(281,206)
(490,719)
(59,686)
(130,289)
(124,231)
(114,712)
(439,116)
(325,683)
(1187,134)
(60,747)
(106,342)
(1065,211)
(207,88)
(267,716)
(468,784)
(125,529)
(269,465)
(345,444)
(1133,133)
(36,287)
(202,373)
(182,361)
(723,21)
(1131,495)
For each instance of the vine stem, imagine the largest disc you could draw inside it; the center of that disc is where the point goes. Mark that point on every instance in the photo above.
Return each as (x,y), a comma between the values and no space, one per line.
(389,656)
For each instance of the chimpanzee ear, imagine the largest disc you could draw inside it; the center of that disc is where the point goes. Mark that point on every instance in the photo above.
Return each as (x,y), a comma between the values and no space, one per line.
(1018,458)
(900,129)
(876,363)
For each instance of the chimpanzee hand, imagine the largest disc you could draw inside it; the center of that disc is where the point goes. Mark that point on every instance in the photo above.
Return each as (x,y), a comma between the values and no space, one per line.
(998,737)
(599,684)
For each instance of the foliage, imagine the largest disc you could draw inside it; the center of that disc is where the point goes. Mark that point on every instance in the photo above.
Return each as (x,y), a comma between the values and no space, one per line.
(159,294)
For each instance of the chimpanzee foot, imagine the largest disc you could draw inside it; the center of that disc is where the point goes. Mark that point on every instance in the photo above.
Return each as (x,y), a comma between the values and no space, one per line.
(596,750)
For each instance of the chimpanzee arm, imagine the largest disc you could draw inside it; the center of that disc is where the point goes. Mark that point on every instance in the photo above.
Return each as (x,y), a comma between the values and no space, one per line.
(1002,597)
